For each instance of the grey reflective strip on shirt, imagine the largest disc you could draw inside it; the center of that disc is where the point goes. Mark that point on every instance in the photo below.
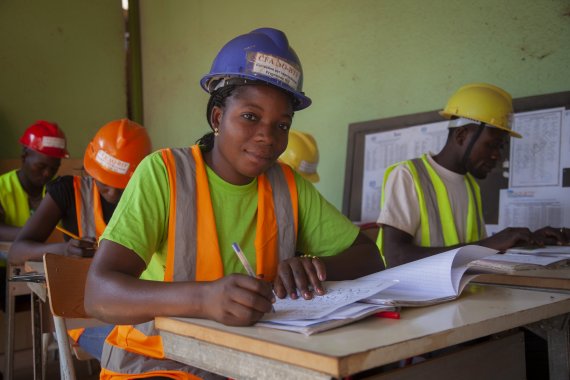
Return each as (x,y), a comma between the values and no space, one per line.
(471,186)
(87,212)
(121,361)
(185,232)
(430,200)
(283,212)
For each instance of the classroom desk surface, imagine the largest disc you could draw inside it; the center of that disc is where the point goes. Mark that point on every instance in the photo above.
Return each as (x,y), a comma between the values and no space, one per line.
(551,279)
(480,311)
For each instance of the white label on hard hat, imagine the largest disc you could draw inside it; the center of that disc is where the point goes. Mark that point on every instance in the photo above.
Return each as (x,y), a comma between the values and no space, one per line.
(53,142)
(461,122)
(111,163)
(275,67)
(308,167)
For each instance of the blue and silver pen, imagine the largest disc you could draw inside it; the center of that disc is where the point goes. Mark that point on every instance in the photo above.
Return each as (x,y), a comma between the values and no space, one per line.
(245,263)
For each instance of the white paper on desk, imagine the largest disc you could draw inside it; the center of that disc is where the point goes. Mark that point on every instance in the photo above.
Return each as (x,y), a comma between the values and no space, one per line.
(543,260)
(562,250)
(434,278)
(353,310)
(338,294)
(345,315)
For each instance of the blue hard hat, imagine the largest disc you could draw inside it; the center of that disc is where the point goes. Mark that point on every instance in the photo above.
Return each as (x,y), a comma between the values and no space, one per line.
(263,55)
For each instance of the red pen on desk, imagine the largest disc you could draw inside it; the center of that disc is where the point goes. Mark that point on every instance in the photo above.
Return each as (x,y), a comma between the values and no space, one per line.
(388,314)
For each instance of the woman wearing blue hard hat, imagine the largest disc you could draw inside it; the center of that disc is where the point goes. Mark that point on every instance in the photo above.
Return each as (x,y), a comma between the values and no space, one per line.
(193,203)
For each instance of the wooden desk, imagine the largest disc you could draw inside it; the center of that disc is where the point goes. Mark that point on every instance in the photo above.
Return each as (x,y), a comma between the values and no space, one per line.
(548,279)
(479,312)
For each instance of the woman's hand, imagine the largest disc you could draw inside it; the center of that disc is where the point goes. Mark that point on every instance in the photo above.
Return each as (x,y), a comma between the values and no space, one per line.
(85,247)
(304,273)
(237,300)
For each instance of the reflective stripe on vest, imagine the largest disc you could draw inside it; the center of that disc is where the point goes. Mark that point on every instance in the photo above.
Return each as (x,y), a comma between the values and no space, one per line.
(437,221)
(90,221)
(14,200)
(196,256)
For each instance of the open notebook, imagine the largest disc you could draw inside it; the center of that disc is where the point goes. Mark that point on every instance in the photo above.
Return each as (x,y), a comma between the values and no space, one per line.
(339,306)
(442,277)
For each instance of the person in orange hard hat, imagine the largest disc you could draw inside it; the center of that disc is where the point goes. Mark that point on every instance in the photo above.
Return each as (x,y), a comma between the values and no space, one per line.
(84,205)
(432,203)
(302,154)
(21,190)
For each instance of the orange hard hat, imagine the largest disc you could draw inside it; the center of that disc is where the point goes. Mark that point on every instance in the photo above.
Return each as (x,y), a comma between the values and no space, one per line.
(46,138)
(115,151)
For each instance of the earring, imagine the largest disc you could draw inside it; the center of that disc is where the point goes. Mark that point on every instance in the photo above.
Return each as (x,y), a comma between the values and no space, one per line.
(216,131)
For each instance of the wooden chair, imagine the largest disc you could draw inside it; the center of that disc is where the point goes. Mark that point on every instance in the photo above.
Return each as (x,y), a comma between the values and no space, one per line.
(65,279)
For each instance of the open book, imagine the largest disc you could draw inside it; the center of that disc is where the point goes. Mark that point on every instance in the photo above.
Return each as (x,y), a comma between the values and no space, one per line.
(546,250)
(509,263)
(443,277)
(339,306)
(430,280)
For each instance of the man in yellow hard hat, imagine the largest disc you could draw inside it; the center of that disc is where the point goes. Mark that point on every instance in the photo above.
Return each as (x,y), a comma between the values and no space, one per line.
(302,154)
(432,203)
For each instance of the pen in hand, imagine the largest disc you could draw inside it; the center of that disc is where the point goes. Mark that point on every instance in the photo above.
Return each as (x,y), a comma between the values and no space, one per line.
(245,263)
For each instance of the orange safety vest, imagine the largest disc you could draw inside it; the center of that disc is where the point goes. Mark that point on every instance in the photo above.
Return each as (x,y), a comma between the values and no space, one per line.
(90,221)
(135,352)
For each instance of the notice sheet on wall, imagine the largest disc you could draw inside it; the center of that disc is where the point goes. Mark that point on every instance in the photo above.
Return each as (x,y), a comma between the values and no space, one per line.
(383,149)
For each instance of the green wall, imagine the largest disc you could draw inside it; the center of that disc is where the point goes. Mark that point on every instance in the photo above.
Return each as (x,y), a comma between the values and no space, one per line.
(362,59)
(62,61)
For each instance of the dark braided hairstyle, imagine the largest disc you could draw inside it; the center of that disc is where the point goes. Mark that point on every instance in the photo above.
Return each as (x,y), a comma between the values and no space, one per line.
(217,99)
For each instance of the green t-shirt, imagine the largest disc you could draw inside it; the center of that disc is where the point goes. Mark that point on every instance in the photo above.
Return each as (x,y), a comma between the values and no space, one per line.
(140,221)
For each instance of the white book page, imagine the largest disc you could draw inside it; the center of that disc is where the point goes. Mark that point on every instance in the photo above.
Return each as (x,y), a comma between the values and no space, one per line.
(549,249)
(434,277)
(338,294)
(542,260)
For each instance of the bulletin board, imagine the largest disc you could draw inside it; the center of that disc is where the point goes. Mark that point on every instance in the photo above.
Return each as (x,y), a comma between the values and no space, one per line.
(535,167)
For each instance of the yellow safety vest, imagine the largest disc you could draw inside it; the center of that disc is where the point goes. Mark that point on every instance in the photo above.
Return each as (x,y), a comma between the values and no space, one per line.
(133,352)
(437,221)
(14,199)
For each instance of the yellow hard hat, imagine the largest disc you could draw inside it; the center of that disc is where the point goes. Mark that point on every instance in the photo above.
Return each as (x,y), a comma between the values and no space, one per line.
(484,103)
(302,154)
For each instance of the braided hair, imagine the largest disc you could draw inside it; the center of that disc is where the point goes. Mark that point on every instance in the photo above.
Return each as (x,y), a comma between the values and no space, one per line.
(217,99)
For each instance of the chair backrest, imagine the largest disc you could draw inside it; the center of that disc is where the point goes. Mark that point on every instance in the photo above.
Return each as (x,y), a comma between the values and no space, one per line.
(65,278)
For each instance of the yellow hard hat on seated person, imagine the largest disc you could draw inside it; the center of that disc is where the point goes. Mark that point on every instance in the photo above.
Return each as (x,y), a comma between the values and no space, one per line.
(302,154)
(484,103)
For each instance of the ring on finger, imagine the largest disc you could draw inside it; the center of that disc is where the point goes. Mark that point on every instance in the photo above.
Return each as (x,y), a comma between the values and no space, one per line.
(309,257)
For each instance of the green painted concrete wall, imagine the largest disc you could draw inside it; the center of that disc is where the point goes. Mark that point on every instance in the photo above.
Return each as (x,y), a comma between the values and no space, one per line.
(62,61)
(363,59)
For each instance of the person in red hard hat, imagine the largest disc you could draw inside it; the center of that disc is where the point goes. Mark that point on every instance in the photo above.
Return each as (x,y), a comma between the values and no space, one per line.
(21,190)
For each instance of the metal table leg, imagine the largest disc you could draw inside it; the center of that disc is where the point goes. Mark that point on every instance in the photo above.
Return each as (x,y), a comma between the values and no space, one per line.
(9,323)
(37,335)
(556,332)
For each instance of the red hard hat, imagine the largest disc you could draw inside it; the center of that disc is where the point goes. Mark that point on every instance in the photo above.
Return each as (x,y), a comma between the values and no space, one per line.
(46,138)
